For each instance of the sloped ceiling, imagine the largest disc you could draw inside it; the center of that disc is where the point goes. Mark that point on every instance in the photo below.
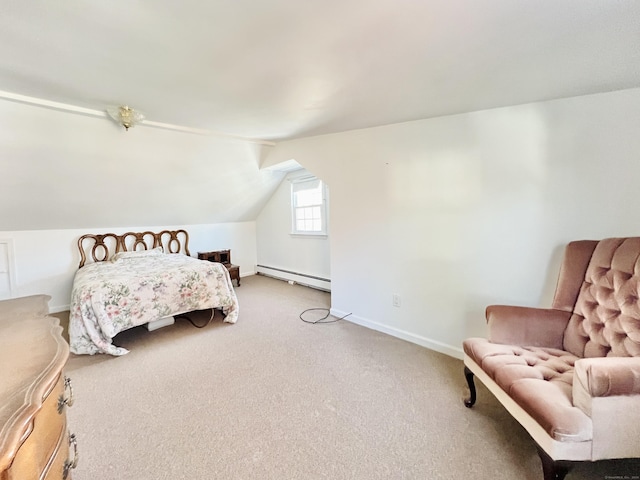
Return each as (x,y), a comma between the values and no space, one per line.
(280,69)
(264,71)
(60,170)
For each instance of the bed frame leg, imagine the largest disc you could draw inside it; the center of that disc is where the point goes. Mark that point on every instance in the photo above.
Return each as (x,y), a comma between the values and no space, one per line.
(552,469)
(470,402)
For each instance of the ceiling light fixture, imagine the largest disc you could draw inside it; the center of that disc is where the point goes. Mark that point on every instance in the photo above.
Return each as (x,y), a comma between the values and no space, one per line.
(125,116)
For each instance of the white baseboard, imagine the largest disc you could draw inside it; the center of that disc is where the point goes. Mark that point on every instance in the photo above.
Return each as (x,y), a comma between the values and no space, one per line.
(404,335)
(62,308)
(301,279)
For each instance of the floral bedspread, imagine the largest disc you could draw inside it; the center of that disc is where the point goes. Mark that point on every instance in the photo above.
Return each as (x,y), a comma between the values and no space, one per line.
(112,296)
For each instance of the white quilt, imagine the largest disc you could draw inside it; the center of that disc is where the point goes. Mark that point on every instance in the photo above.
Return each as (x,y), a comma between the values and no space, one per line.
(135,288)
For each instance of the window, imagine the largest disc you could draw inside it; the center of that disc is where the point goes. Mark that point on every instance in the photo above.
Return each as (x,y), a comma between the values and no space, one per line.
(308,207)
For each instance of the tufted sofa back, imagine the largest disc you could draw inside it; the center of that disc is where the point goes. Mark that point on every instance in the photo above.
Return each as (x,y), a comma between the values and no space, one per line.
(604,279)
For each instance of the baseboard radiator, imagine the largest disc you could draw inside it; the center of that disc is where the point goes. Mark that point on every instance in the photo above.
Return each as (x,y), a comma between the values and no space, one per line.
(295,277)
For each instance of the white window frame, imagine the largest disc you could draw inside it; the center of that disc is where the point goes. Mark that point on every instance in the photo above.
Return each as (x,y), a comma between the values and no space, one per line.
(298,184)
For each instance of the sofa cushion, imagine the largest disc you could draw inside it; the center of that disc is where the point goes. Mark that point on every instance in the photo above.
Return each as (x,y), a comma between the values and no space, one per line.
(539,380)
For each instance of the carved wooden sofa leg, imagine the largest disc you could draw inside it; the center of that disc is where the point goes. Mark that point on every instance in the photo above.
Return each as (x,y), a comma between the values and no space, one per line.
(469,402)
(553,470)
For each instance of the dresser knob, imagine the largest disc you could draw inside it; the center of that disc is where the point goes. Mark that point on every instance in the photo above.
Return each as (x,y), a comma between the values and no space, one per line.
(66,398)
(70,464)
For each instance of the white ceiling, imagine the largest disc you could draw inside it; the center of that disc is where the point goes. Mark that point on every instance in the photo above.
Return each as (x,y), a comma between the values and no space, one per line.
(277,69)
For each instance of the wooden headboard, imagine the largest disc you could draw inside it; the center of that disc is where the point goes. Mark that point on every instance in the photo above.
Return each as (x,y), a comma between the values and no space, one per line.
(101,247)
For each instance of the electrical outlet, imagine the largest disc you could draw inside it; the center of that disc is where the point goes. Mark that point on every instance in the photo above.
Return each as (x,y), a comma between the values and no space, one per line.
(396,300)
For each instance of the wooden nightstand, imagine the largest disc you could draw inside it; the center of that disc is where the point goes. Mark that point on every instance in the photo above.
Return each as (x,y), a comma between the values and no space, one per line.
(223,257)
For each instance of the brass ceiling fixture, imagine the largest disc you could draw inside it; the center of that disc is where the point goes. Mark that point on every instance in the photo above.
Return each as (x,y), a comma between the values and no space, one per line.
(125,116)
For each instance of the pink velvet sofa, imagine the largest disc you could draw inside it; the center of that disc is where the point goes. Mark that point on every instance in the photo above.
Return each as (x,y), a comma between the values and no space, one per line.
(570,374)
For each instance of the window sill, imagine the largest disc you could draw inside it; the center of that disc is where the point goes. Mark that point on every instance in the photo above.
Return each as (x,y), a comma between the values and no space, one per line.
(309,235)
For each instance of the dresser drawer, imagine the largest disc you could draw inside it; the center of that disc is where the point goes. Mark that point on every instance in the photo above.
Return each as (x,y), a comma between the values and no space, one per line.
(56,468)
(45,436)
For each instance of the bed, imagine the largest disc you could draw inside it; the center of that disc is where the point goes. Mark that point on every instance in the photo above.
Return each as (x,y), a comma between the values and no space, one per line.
(128,280)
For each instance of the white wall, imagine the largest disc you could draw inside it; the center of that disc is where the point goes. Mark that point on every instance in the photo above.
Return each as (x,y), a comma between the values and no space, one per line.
(61,170)
(45,261)
(277,248)
(459,212)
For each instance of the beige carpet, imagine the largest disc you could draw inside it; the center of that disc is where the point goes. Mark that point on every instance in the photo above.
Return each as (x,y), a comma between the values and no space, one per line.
(272,397)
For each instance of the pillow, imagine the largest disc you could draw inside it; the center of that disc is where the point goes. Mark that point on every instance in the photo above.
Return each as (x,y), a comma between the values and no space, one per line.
(137,254)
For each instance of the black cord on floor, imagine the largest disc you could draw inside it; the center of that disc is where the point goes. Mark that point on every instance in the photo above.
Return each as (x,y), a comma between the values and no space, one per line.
(320,320)
(194,323)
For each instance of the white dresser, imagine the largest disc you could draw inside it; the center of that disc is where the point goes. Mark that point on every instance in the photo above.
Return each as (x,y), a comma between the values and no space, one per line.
(34,394)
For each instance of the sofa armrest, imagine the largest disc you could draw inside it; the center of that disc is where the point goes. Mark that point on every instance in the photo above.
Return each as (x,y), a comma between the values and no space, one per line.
(607,389)
(608,376)
(526,326)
